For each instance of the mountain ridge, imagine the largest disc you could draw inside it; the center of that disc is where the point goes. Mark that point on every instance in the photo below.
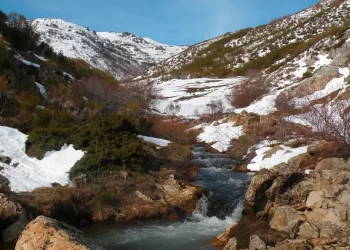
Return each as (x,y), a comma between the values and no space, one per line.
(124,54)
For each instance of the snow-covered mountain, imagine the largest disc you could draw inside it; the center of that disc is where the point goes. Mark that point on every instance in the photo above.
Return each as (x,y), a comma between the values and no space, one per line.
(266,46)
(122,54)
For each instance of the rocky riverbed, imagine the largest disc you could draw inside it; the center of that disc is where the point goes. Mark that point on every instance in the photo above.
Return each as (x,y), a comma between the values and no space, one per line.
(303,204)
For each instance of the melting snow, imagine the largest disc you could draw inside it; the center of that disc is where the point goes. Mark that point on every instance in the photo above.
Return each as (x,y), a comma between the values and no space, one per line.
(41,58)
(26,173)
(280,156)
(22,60)
(41,89)
(220,134)
(157,141)
(194,95)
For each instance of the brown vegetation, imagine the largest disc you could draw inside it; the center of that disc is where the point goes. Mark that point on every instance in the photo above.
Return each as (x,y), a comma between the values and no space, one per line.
(248,91)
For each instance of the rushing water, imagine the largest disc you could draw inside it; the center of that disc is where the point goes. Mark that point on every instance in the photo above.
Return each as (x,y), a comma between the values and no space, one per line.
(221,208)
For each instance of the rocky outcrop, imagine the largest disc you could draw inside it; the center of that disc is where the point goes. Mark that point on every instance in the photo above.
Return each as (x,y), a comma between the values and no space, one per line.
(313,210)
(286,219)
(50,234)
(13,219)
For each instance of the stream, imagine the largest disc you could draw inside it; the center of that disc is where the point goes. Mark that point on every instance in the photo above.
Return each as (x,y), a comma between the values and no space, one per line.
(219,209)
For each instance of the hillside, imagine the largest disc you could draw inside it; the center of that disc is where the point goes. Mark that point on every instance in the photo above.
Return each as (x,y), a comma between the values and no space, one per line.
(264,47)
(122,54)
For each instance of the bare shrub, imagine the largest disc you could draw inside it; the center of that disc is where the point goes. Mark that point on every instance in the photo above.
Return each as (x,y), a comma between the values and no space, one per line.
(284,103)
(215,107)
(131,99)
(332,121)
(172,109)
(175,131)
(248,91)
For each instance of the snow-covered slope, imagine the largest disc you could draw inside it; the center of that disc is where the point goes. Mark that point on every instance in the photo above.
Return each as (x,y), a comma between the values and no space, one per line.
(122,54)
(234,53)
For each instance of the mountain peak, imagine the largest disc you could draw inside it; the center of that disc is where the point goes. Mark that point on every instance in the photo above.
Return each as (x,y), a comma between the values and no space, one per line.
(122,54)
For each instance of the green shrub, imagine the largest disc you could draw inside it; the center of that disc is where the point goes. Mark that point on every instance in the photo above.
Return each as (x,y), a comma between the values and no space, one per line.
(110,143)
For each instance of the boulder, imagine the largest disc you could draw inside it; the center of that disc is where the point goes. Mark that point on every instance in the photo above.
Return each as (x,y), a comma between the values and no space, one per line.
(49,234)
(178,195)
(255,195)
(11,234)
(9,210)
(231,244)
(256,243)
(286,219)
(335,164)
(5,159)
(308,231)
(333,191)
(315,199)
(345,198)
(223,238)
(13,219)
(292,245)
(329,230)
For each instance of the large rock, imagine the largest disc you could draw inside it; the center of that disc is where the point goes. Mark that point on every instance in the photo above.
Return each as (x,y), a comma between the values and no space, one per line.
(308,231)
(50,234)
(315,199)
(334,164)
(256,243)
(286,219)
(231,245)
(256,196)
(292,245)
(178,195)
(13,219)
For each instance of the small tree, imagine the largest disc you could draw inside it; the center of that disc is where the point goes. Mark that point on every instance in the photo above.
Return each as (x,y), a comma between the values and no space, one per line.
(248,91)
(332,121)
(172,109)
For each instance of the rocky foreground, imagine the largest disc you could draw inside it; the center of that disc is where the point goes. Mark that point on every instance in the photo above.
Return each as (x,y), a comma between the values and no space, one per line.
(287,208)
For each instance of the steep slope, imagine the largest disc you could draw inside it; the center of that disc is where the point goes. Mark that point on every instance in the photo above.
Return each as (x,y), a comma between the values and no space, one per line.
(122,54)
(264,47)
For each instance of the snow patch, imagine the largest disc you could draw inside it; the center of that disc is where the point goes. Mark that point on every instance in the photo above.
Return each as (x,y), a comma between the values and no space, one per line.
(157,141)
(25,173)
(41,89)
(281,156)
(220,134)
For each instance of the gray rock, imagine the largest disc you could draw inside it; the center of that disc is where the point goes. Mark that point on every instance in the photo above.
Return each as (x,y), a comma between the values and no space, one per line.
(334,164)
(333,191)
(345,198)
(231,244)
(79,181)
(308,231)
(315,199)
(329,231)
(12,233)
(286,219)
(256,243)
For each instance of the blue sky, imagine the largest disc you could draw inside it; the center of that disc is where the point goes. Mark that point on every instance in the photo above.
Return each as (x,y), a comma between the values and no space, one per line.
(168,21)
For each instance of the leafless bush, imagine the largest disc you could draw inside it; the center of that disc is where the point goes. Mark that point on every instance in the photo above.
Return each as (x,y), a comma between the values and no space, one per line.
(284,103)
(215,107)
(248,91)
(125,97)
(332,121)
